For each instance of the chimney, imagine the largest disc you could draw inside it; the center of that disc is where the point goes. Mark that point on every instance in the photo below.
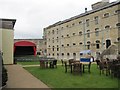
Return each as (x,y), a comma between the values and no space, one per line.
(85,10)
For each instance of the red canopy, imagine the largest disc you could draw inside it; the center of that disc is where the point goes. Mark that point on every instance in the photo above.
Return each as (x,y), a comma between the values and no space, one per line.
(24,43)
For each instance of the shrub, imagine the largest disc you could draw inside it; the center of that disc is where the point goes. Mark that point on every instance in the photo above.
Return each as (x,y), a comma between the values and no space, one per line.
(4,72)
(4,76)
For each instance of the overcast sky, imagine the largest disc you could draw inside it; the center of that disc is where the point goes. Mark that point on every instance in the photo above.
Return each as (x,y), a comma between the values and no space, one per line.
(34,15)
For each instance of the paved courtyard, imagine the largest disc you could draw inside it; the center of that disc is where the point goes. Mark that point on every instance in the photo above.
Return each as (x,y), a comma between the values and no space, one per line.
(20,78)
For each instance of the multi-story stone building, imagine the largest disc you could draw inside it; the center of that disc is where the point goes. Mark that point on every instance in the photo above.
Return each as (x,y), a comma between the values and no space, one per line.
(95,30)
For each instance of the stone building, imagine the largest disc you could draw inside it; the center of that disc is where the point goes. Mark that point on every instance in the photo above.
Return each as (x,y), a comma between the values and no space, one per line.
(94,30)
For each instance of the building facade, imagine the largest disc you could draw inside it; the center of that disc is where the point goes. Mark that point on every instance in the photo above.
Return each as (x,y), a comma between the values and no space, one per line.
(40,45)
(94,30)
(7,39)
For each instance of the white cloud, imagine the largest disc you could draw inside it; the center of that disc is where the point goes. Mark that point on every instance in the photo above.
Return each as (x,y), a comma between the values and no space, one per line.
(34,15)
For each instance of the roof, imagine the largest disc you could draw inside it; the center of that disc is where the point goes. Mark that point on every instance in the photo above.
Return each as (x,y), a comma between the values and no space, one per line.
(24,43)
(84,14)
(7,23)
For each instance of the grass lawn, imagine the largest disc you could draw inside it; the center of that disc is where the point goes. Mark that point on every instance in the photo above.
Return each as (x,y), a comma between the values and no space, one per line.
(57,78)
(29,63)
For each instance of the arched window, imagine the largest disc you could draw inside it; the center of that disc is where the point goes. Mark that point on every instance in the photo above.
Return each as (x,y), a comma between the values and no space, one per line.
(106,15)
(97,31)
(80,33)
(108,43)
(107,27)
(88,33)
(68,54)
(88,45)
(118,25)
(97,44)
(53,32)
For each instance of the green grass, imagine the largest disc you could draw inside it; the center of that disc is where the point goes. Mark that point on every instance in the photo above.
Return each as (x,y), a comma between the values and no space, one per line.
(57,78)
(29,63)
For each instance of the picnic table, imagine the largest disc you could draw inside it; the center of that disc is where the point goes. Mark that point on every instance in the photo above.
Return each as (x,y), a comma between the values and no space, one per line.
(47,62)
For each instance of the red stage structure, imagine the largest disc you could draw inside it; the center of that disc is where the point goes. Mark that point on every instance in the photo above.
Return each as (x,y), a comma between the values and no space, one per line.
(24,45)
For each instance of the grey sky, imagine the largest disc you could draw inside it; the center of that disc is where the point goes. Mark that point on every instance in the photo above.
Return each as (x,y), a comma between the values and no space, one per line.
(34,15)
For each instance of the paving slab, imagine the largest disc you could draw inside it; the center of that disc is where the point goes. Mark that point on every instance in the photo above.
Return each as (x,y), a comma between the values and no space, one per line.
(18,77)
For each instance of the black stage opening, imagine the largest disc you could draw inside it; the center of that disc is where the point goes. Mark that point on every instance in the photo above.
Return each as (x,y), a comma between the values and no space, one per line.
(24,50)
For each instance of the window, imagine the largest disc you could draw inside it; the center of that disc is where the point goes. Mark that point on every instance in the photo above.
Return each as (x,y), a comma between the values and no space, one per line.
(62,54)
(118,25)
(57,54)
(80,43)
(74,44)
(62,45)
(45,50)
(80,22)
(108,43)
(57,31)
(67,44)
(118,39)
(68,54)
(62,36)
(73,24)
(67,35)
(49,45)
(57,39)
(88,33)
(53,32)
(106,15)
(57,49)
(96,19)
(117,12)
(88,45)
(53,54)
(107,27)
(45,43)
(73,34)
(53,48)
(97,31)
(53,41)
(97,44)
(49,54)
(48,32)
(80,33)
(67,26)
(87,22)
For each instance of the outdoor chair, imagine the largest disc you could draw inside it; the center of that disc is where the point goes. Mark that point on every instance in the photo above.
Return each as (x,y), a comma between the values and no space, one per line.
(77,68)
(67,66)
(53,64)
(103,67)
(86,66)
(97,62)
(115,70)
(42,64)
(62,62)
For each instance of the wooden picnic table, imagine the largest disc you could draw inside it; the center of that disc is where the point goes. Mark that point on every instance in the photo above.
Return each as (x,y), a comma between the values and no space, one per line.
(44,63)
